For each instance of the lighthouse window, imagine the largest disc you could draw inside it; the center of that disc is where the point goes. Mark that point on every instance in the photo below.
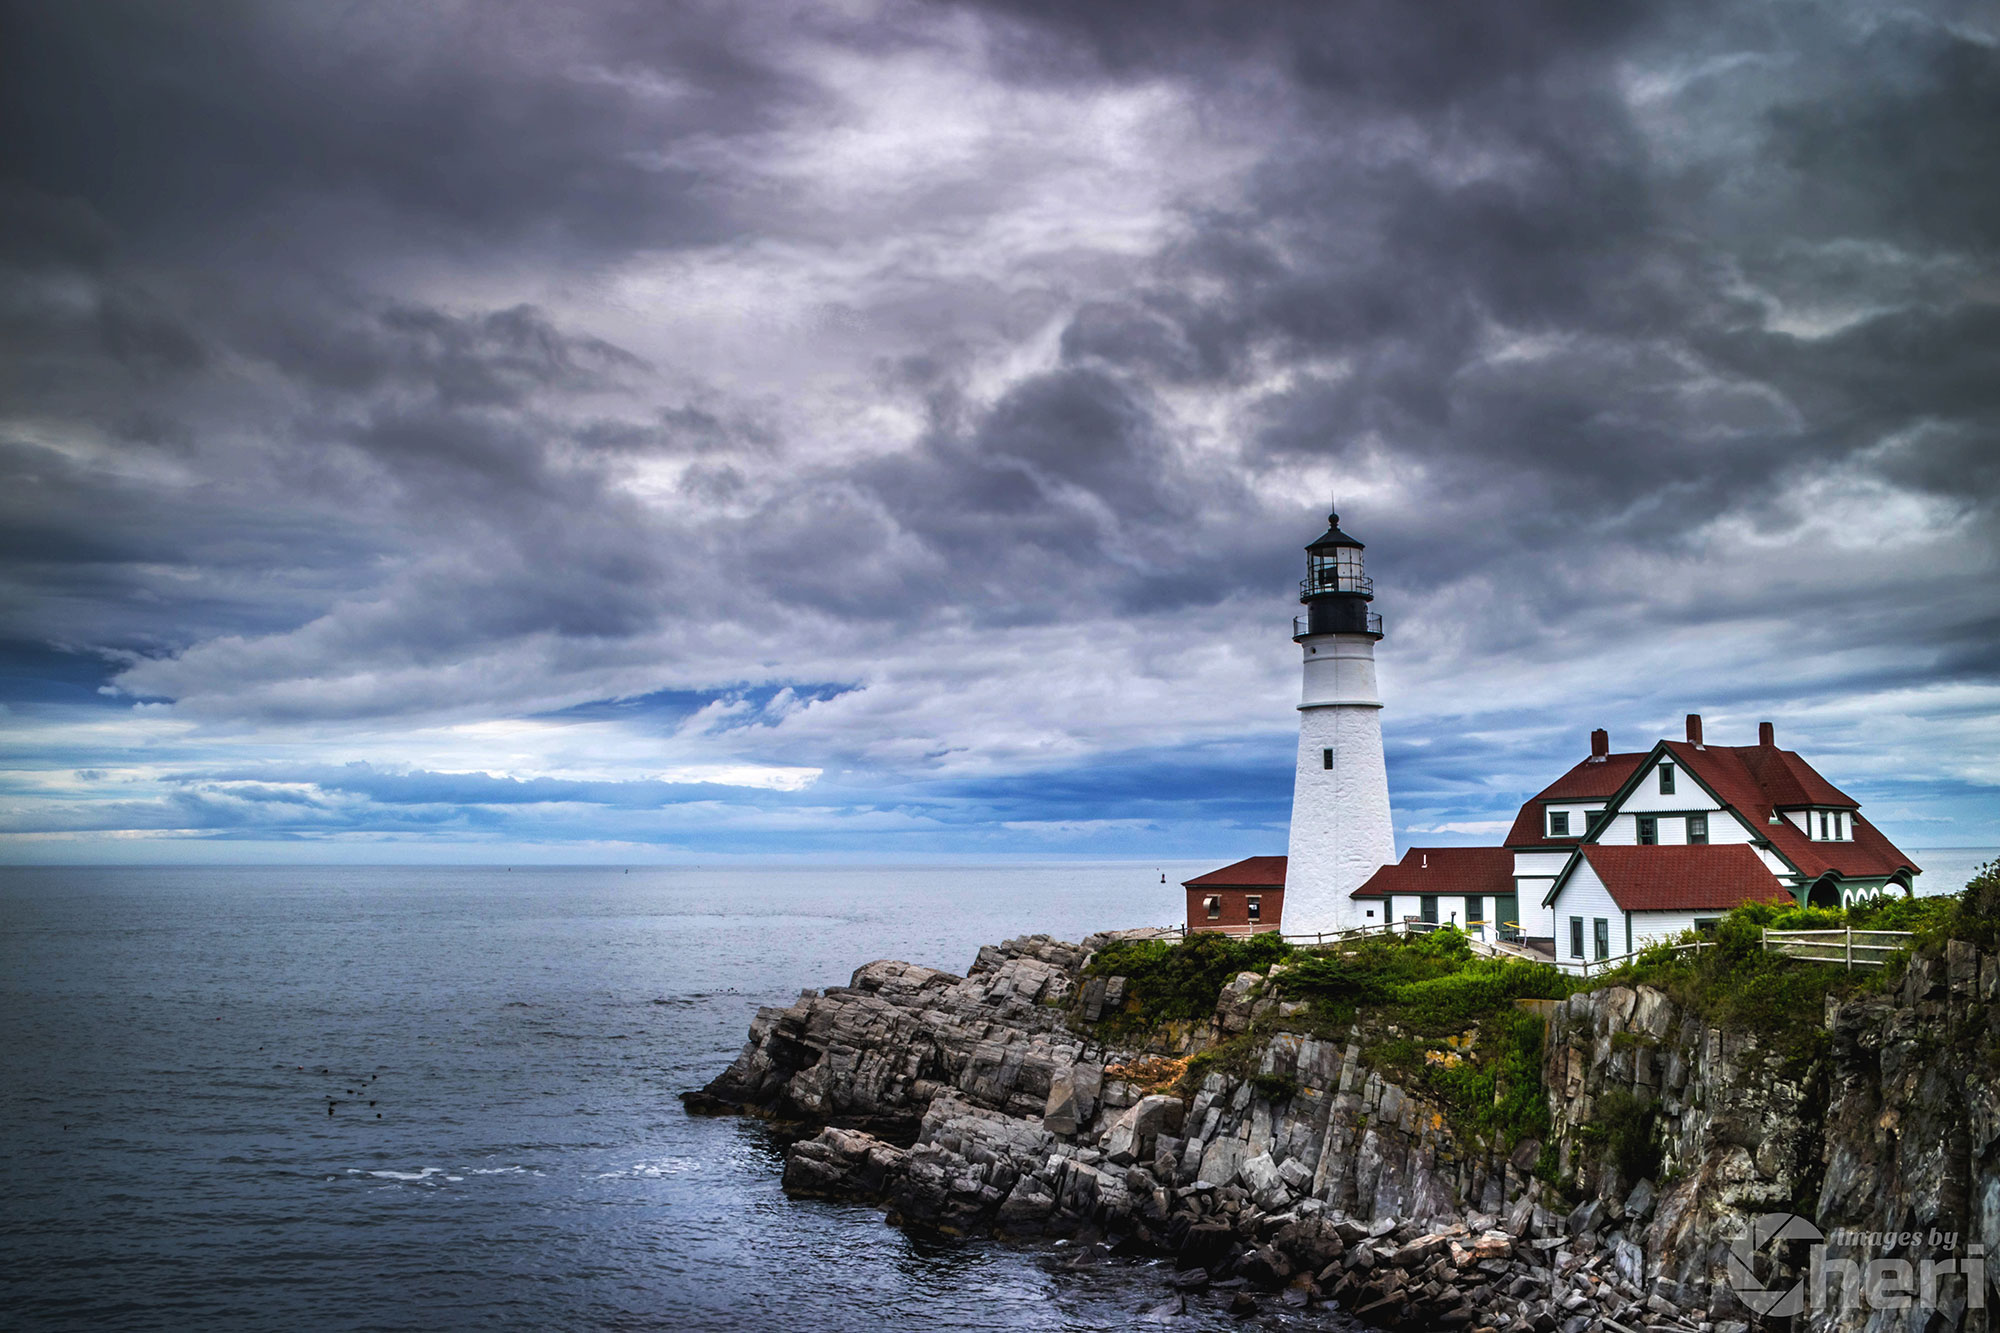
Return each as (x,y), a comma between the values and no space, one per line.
(1326,758)
(1649,830)
(1666,779)
(1697,828)
(1558,823)
(1214,905)
(1256,907)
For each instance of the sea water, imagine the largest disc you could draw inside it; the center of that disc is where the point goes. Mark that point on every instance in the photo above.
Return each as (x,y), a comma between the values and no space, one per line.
(386,1098)
(395,1098)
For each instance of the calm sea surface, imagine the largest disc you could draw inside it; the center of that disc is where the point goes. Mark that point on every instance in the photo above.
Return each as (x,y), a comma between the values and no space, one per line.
(501,1051)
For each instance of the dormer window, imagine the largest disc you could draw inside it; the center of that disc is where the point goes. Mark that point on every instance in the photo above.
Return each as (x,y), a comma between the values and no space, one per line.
(1824,836)
(1558,823)
(1697,828)
(1649,831)
(1666,779)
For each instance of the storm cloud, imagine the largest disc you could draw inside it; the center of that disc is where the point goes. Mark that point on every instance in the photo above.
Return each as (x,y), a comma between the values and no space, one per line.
(890,428)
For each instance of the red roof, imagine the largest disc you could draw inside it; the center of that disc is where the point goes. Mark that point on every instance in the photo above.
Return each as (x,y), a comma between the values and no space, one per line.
(1590,780)
(1253,872)
(1756,780)
(1686,878)
(1466,870)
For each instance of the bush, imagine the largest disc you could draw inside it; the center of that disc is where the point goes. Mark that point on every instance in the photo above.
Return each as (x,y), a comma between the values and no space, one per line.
(1179,981)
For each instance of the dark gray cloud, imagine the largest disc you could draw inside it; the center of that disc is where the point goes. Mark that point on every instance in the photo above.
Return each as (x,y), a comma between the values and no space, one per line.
(383,376)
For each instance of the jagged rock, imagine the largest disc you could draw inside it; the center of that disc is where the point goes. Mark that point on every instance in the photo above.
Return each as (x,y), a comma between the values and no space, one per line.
(1132,1134)
(1235,1006)
(1260,1176)
(972,1104)
(841,1163)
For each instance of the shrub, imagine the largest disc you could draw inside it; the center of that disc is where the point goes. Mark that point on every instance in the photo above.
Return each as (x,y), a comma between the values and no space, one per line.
(1179,981)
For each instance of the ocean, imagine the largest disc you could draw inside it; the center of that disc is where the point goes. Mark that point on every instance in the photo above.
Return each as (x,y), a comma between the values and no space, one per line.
(397,1098)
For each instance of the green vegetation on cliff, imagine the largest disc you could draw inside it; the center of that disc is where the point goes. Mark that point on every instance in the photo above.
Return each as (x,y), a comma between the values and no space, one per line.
(1431,1015)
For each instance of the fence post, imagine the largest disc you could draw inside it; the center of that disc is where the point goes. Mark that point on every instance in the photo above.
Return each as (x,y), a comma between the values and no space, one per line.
(1850,948)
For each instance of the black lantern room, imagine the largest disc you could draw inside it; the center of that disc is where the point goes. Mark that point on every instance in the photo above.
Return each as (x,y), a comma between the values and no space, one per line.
(1335,590)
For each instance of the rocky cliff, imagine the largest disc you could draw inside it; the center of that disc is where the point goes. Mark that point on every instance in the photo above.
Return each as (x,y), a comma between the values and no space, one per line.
(985,1104)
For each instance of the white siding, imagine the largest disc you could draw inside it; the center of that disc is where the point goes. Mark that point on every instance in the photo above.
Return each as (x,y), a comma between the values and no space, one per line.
(1622,831)
(1584,895)
(1657,927)
(1534,917)
(1545,864)
(1801,818)
(1579,816)
(1725,827)
(1686,795)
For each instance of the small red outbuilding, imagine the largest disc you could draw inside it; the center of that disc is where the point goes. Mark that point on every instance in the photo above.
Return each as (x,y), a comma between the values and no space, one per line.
(1247,898)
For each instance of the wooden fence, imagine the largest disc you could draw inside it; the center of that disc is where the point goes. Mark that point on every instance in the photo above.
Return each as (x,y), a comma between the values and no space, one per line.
(1854,948)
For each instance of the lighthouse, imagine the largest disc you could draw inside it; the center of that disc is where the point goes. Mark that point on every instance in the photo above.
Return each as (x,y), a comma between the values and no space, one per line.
(1340,797)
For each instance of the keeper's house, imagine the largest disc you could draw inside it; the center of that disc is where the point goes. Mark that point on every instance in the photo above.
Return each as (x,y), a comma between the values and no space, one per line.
(1247,898)
(1629,849)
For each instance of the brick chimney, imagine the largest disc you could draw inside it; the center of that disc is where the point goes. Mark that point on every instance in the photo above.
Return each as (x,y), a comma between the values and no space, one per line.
(1600,745)
(1694,730)
(1767,735)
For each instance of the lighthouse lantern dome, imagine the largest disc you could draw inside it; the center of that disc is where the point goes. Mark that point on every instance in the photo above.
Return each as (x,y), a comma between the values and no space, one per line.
(1333,564)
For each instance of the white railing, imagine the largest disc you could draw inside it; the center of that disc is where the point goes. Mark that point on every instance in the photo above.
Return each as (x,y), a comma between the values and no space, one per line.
(1853,948)
(1586,966)
(1413,926)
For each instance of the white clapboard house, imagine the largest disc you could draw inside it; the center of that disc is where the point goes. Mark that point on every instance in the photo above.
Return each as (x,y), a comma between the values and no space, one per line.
(1627,849)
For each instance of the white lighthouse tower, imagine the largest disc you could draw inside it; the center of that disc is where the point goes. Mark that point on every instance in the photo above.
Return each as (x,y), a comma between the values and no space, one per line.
(1340,799)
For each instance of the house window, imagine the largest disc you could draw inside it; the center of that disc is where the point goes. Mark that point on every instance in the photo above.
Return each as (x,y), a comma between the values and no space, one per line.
(1214,905)
(1666,779)
(1558,823)
(1649,830)
(1697,828)
(1705,925)
(1475,909)
(1427,908)
(1255,906)
(1602,929)
(1823,836)
(1576,937)
(1326,757)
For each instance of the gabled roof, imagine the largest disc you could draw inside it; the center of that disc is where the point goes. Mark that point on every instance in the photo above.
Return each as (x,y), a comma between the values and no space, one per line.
(1688,878)
(1466,870)
(1253,872)
(1736,773)
(1590,780)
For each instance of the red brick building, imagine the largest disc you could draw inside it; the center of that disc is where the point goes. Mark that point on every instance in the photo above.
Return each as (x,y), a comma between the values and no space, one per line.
(1247,898)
